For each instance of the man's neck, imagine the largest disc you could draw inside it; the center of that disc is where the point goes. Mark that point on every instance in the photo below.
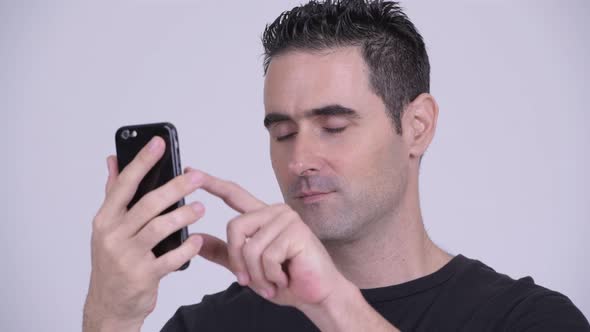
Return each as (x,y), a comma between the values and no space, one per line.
(397,250)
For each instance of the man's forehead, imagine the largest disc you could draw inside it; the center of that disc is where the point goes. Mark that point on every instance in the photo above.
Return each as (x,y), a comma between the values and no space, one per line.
(300,81)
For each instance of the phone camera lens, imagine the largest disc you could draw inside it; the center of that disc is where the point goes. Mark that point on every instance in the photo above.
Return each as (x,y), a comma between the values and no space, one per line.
(125,134)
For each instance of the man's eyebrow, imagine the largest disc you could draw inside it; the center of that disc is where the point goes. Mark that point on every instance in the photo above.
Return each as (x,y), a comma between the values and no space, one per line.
(330,110)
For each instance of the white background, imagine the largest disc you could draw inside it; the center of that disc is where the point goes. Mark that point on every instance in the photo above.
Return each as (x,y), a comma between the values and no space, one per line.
(505,180)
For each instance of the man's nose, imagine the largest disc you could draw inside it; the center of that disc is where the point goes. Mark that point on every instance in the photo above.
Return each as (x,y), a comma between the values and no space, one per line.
(305,158)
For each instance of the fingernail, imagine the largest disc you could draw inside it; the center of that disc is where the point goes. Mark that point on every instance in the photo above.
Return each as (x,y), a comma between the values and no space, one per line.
(154,144)
(197,207)
(264,293)
(197,240)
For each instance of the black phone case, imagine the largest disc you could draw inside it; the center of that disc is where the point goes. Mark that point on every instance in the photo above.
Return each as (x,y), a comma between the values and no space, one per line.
(168,167)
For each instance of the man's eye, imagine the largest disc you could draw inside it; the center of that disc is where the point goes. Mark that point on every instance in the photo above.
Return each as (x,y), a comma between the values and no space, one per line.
(282,138)
(335,130)
(330,130)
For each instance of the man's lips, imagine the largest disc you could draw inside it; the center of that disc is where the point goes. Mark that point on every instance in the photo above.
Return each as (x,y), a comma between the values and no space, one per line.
(312,193)
(312,197)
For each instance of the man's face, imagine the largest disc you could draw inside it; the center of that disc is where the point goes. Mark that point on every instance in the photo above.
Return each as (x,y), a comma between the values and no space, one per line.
(308,97)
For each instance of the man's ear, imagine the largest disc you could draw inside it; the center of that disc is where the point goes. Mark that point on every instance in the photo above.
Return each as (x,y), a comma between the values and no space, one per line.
(419,124)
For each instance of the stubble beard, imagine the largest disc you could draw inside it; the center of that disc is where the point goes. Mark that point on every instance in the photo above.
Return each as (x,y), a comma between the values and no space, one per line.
(340,219)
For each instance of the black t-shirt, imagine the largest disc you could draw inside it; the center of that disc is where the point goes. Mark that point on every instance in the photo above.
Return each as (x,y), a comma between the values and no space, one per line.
(464,295)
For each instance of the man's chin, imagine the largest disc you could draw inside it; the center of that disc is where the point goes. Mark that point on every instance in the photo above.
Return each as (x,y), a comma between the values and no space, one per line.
(319,217)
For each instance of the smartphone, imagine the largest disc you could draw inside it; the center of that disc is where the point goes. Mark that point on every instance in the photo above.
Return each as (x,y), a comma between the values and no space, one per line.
(129,140)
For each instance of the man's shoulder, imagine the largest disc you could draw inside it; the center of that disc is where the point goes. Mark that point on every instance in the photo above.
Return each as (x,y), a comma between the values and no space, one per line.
(519,304)
(477,278)
(473,278)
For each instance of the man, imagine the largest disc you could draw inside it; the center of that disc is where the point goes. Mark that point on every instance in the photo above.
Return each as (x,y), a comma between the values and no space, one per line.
(349,115)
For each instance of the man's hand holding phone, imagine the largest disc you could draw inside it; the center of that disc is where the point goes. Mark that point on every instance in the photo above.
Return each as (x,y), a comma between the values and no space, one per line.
(125,272)
(269,249)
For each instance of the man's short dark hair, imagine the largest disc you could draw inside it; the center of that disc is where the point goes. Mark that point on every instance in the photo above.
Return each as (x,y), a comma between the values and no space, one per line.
(391,46)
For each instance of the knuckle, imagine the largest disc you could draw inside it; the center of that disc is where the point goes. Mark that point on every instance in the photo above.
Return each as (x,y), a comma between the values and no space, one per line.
(234,247)
(176,217)
(158,227)
(152,200)
(233,227)
(166,262)
(155,197)
(270,271)
(182,216)
(249,251)
(144,157)
(184,183)
(268,257)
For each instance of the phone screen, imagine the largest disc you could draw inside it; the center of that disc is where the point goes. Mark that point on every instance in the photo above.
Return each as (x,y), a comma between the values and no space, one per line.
(129,141)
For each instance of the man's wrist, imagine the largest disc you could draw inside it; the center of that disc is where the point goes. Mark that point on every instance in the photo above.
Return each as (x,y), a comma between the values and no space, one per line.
(104,326)
(346,310)
(328,314)
(94,321)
